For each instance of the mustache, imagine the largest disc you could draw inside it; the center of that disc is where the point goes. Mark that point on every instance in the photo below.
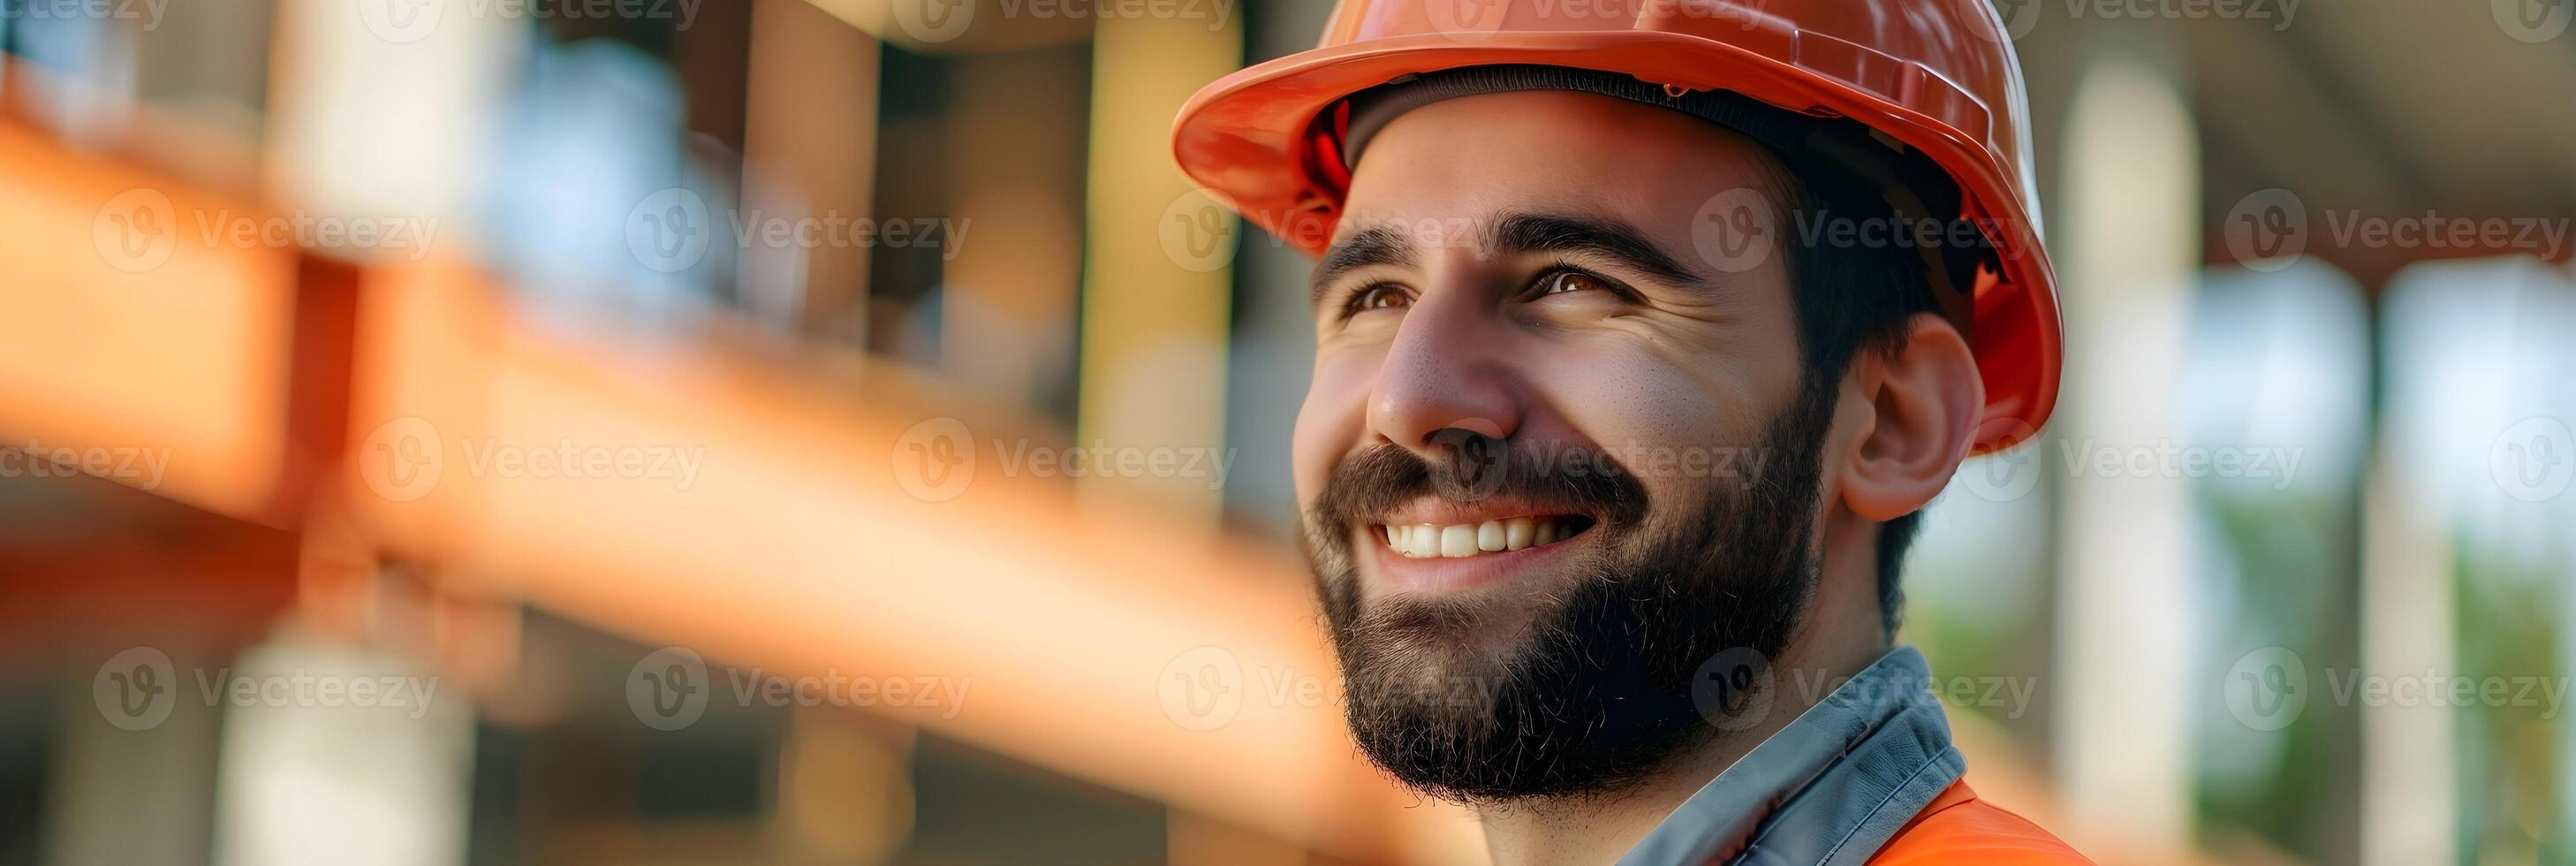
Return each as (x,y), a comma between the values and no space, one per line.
(1557,477)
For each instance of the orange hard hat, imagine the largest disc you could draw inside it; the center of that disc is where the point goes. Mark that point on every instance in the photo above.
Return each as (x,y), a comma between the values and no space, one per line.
(1936,76)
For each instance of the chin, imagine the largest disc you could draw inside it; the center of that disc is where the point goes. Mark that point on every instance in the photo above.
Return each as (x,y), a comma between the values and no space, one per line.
(1415,637)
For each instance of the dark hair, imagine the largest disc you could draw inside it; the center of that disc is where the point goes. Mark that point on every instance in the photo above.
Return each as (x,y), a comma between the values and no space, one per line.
(1858,292)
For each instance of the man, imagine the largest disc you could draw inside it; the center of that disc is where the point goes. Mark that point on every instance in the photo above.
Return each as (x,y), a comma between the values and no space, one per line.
(1643,332)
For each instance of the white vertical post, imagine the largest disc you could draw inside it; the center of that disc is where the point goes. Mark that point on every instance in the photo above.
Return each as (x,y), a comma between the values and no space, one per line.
(2132,192)
(2407,763)
(336,755)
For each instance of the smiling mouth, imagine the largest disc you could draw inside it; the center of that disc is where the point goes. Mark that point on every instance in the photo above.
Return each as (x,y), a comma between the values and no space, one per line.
(1464,540)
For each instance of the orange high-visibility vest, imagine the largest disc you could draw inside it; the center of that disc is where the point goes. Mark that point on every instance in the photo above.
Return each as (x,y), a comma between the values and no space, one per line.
(1958,827)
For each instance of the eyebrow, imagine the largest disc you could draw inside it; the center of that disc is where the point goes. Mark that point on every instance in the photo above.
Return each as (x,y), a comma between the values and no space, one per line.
(1514,233)
(1518,233)
(1367,248)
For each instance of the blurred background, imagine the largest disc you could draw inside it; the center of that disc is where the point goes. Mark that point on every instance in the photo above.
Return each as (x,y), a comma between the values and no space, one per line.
(831,431)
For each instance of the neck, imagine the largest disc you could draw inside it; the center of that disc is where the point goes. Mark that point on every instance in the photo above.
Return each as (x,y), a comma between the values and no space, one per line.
(1840,637)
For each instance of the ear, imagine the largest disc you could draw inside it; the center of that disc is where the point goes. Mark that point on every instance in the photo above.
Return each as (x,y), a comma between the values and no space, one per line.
(1924,402)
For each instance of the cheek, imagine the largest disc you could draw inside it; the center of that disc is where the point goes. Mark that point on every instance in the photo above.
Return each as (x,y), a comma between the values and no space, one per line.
(1332,422)
(1659,416)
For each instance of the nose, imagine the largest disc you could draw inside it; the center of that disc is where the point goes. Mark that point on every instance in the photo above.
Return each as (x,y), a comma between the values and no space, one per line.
(1449,372)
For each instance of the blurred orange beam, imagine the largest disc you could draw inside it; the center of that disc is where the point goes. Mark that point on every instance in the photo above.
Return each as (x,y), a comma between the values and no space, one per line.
(141,331)
(796,546)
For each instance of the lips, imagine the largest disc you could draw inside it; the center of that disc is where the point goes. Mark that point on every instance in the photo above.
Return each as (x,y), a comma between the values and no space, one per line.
(1438,527)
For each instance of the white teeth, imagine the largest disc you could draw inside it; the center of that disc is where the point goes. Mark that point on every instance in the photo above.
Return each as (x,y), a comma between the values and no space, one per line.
(1458,540)
(1426,541)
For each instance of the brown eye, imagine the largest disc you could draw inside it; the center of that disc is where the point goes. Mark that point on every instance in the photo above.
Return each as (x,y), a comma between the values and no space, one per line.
(1562,282)
(1381,297)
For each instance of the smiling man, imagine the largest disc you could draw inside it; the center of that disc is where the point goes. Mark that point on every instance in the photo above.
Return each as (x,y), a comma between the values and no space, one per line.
(1643,333)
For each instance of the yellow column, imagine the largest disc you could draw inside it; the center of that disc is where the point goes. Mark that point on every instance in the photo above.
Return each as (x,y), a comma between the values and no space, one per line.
(1154,303)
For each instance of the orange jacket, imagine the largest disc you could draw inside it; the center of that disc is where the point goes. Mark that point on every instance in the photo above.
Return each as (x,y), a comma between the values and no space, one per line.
(1958,827)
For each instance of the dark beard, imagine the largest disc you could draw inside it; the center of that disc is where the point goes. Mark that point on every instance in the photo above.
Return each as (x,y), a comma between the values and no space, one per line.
(1598,693)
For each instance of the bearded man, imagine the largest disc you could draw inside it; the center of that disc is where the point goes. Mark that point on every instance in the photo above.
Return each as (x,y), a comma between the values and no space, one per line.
(1641,341)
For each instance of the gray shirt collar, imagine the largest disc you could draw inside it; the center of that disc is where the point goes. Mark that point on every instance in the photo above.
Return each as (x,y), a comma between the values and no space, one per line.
(1830,788)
